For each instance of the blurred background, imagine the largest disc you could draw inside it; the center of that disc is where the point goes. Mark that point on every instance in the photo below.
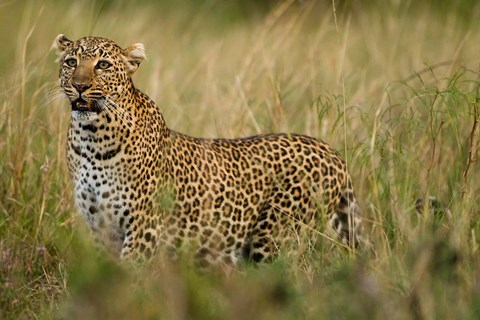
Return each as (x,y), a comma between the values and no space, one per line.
(393,85)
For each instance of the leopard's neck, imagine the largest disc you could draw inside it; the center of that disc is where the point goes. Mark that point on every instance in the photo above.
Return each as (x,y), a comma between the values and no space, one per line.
(134,121)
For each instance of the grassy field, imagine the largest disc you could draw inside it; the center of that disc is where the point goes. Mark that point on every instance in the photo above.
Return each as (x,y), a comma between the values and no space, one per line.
(393,85)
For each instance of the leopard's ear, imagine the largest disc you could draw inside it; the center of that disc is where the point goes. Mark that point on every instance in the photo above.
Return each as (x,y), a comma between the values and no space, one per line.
(61,45)
(133,55)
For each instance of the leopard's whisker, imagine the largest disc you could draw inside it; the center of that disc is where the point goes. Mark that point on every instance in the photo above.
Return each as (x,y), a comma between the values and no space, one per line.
(114,111)
(120,112)
(101,105)
(54,94)
(112,108)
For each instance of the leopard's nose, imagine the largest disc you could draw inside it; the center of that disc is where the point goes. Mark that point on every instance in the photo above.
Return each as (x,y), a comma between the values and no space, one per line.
(81,87)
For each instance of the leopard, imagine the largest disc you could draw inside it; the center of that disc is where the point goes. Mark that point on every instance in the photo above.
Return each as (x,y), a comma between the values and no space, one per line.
(144,188)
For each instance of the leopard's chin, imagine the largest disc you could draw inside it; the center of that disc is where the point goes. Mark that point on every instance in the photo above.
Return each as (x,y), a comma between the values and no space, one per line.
(87,116)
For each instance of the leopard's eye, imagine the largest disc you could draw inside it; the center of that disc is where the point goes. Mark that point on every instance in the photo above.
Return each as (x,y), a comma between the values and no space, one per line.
(103,64)
(71,62)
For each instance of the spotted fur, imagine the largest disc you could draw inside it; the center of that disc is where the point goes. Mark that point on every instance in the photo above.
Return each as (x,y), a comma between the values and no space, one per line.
(142,186)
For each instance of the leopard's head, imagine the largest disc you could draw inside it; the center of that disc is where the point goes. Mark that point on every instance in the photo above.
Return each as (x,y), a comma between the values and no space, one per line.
(95,72)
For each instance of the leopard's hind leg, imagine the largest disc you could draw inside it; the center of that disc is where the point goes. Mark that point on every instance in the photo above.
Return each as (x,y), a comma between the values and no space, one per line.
(346,220)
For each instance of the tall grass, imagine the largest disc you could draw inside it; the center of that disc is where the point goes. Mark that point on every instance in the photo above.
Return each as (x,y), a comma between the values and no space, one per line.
(394,85)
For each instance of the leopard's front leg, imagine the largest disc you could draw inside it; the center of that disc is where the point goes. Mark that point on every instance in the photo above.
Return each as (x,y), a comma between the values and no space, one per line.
(141,237)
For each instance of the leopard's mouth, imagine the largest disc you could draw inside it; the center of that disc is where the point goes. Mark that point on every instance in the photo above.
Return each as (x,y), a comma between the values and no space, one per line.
(84,106)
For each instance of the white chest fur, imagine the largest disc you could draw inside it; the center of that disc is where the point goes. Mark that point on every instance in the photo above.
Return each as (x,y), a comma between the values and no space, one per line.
(100,194)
